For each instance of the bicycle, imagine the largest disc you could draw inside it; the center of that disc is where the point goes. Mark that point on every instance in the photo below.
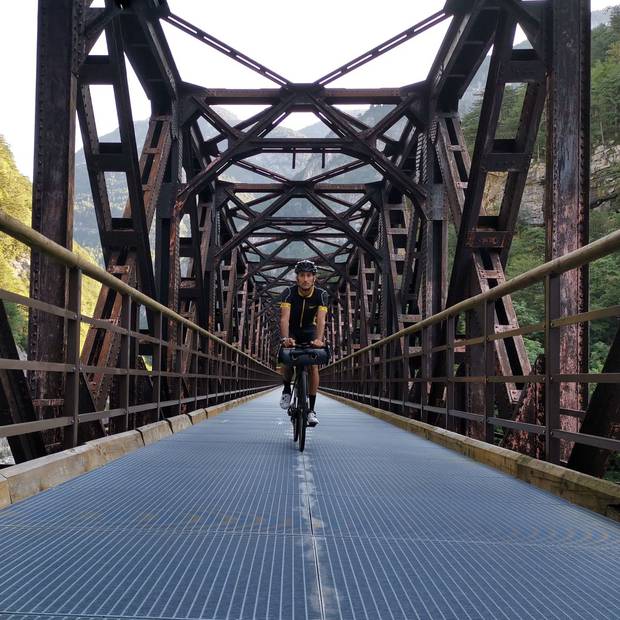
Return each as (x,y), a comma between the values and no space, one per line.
(300,357)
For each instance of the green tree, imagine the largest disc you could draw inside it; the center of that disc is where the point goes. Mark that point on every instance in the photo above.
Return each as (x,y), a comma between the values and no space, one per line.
(16,201)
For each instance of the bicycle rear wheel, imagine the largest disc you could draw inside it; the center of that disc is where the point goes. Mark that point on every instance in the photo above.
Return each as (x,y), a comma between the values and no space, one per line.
(302,423)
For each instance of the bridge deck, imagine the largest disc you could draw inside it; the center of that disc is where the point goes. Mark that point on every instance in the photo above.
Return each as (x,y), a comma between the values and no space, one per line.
(228,520)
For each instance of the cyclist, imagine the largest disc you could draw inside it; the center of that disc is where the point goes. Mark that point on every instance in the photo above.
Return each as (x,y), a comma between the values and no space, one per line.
(303,310)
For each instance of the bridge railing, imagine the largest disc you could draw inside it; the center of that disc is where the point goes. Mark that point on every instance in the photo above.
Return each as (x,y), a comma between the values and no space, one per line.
(202,369)
(381,374)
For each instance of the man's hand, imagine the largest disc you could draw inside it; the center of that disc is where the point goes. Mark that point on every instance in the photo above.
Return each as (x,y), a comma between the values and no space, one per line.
(288,342)
(318,343)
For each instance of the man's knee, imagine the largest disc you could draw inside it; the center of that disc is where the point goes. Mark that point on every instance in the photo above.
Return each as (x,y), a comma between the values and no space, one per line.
(287,372)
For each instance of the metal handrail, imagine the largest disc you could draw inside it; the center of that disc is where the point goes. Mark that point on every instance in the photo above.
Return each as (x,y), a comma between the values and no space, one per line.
(34,239)
(577,258)
(382,381)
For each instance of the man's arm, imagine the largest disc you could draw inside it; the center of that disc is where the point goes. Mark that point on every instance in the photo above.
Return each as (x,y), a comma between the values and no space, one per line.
(321,315)
(285,315)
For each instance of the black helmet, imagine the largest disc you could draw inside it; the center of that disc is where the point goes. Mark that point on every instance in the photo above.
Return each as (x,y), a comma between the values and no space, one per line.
(306,266)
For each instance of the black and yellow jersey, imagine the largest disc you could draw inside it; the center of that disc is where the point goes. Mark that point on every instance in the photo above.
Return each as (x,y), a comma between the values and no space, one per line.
(304,308)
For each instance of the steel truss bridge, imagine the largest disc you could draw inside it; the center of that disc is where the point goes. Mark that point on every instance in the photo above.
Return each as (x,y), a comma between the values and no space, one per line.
(394,209)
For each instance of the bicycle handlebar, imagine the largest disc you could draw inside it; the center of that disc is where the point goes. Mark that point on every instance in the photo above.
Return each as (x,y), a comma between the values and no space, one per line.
(304,355)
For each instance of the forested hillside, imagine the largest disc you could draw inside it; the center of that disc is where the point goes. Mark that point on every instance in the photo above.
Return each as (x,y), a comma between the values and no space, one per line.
(16,200)
(528,248)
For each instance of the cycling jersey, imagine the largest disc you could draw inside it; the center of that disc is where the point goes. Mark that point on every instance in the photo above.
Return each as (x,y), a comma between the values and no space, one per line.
(304,308)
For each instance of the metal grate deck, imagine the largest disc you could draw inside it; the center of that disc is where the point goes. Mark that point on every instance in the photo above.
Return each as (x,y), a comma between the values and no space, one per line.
(228,521)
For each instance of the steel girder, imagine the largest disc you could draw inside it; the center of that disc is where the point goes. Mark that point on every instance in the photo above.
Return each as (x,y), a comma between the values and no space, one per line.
(484,238)
(602,419)
(224,245)
(16,406)
(567,194)
(58,47)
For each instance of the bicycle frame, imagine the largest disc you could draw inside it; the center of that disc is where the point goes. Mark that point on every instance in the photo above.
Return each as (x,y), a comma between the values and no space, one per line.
(298,372)
(300,358)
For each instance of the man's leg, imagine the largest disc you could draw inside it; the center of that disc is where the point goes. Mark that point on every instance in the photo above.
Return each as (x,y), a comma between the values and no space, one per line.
(313,371)
(287,376)
(314,384)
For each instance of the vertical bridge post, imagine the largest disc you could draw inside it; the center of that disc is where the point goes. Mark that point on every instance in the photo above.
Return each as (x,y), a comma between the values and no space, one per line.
(52,199)
(567,199)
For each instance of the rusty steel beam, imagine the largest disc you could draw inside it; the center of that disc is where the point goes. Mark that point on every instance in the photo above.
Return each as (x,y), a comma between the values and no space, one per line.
(269,96)
(125,240)
(101,346)
(319,188)
(465,47)
(384,47)
(229,289)
(94,22)
(601,419)
(484,241)
(222,47)
(58,44)
(567,189)
(489,117)
(16,406)
(149,54)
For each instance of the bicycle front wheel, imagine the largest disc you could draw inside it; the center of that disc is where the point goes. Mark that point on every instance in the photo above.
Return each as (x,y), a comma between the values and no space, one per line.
(302,409)
(294,416)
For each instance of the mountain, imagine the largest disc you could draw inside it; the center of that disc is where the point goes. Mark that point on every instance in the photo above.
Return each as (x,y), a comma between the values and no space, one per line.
(307,165)
(603,16)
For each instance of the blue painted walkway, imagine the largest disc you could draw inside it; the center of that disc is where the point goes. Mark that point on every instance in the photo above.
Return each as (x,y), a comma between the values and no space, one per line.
(228,520)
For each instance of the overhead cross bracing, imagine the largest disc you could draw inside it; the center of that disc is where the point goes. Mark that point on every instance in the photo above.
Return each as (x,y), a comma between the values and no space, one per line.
(384,215)
(340,218)
(237,238)
(220,206)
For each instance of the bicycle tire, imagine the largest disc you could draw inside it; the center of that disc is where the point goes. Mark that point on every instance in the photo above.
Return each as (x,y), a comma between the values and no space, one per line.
(302,410)
(294,407)
(295,425)
(303,416)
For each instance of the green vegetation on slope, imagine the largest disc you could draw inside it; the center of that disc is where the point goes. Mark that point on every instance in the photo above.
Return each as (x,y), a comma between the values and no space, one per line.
(605,91)
(16,200)
(605,115)
(528,248)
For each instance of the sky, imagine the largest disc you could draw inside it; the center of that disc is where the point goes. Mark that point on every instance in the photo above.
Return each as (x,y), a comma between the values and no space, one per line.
(300,41)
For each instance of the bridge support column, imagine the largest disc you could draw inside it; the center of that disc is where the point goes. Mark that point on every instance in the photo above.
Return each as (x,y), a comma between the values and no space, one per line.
(567,198)
(59,27)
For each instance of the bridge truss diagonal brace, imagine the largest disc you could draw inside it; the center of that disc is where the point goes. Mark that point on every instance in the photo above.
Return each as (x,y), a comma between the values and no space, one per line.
(102,346)
(16,406)
(376,158)
(484,240)
(238,149)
